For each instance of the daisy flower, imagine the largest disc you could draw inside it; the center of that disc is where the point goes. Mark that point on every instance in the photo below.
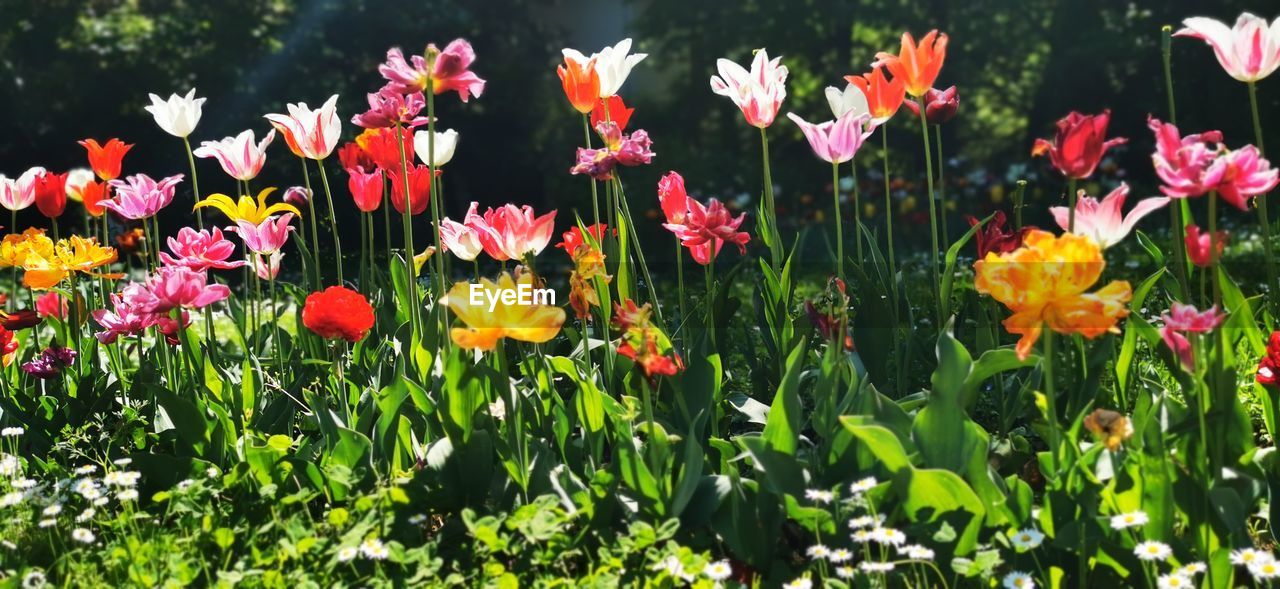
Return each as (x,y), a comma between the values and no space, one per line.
(718,571)
(1152,550)
(862,485)
(373,549)
(1018,580)
(801,583)
(82,536)
(889,536)
(1132,519)
(875,567)
(840,555)
(1026,539)
(1264,570)
(1248,556)
(845,572)
(819,496)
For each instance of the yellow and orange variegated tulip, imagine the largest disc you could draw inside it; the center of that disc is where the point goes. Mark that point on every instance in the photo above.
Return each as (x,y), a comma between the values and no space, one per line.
(1044,283)
(508,308)
(246,209)
(17,246)
(46,268)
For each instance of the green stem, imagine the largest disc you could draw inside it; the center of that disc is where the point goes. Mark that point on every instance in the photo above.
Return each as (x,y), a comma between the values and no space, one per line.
(942,187)
(407,226)
(1213,246)
(315,233)
(442,312)
(857,210)
(1051,402)
(195,181)
(777,248)
(933,213)
(1263,218)
(333,219)
(1071,205)
(1176,222)
(680,278)
(595,197)
(835,198)
(1018,196)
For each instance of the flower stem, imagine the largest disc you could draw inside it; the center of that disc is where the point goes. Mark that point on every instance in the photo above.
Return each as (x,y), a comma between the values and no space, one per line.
(776,248)
(857,210)
(942,187)
(1213,246)
(315,233)
(835,197)
(679,277)
(933,213)
(1051,403)
(1175,209)
(888,218)
(1018,195)
(595,197)
(1263,218)
(195,181)
(1071,205)
(333,219)
(406,220)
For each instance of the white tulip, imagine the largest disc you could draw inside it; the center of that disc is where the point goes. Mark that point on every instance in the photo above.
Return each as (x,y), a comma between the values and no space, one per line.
(179,115)
(851,99)
(613,65)
(444,145)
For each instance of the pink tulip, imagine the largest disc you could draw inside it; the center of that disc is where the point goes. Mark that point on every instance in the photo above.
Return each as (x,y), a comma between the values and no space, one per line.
(173,287)
(127,318)
(200,250)
(19,193)
(1103,221)
(835,141)
(366,189)
(1240,175)
(314,132)
(758,93)
(239,156)
(267,237)
(511,233)
(1202,249)
(618,149)
(52,304)
(1249,51)
(387,108)
(673,198)
(267,266)
(707,228)
(1181,162)
(448,70)
(940,106)
(461,239)
(1182,319)
(140,197)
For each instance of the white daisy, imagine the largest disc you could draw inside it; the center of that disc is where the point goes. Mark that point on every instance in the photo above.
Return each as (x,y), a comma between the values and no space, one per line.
(801,583)
(1174,581)
(10,466)
(82,536)
(875,567)
(47,523)
(86,515)
(86,469)
(211,472)
(840,555)
(1264,570)
(818,552)
(1026,539)
(347,553)
(845,572)
(863,521)
(12,432)
(127,495)
(1248,556)
(862,485)
(819,496)
(1132,519)
(917,552)
(718,571)
(122,461)
(11,498)
(373,549)
(1193,568)
(861,536)
(23,483)
(1018,580)
(52,510)
(122,478)
(889,536)
(1152,550)
(33,580)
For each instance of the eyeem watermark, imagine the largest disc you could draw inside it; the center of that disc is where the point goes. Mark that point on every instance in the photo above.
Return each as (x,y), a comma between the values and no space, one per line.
(522,294)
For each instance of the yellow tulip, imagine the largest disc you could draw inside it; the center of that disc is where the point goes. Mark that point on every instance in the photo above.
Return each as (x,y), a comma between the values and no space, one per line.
(46,268)
(245,209)
(496,316)
(1044,284)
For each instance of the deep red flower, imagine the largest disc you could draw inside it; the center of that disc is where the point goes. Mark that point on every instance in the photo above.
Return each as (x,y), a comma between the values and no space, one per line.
(381,147)
(940,106)
(8,346)
(617,110)
(366,188)
(51,194)
(105,159)
(17,320)
(1079,145)
(994,237)
(354,157)
(1269,366)
(419,188)
(338,312)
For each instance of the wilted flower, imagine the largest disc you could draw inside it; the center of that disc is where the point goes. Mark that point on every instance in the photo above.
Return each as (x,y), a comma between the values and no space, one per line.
(50,362)
(1110,427)
(618,149)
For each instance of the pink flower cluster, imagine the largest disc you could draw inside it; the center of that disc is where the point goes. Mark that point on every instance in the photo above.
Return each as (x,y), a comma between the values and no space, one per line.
(1196,164)
(505,233)
(629,150)
(702,229)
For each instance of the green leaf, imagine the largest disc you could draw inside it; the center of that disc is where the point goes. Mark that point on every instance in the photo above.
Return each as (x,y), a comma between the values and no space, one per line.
(782,430)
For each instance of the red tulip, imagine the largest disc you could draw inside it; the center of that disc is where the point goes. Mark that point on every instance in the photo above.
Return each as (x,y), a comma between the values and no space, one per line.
(616,109)
(51,194)
(338,312)
(1079,144)
(940,106)
(366,189)
(1200,251)
(419,188)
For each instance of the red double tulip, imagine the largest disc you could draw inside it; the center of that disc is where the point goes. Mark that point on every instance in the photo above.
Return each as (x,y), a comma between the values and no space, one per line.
(353,157)
(338,312)
(381,147)
(1079,144)
(51,194)
(105,159)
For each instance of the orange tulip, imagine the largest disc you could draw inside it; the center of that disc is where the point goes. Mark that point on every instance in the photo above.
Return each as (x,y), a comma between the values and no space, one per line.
(105,159)
(92,196)
(581,83)
(884,97)
(917,65)
(1044,284)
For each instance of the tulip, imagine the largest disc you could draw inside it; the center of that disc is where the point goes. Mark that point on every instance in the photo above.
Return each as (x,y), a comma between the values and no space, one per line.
(338,312)
(673,198)
(486,323)
(581,83)
(266,237)
(51,193)
(851,99)
(200,250)
(512,233)
(419,189)
(1182,319)
(572,239)
(245,209)
(315,132)
(1269,366)
(126,318)
(49,364)
(462,239)
(994,237)
(835,141)
(618,149)
(758,93)
(77,180)
(612,65)
(92,196)
(884,97)
(444,71)
(353,157)
(444,144)
(20,193)
(46,266)
(51,304)
(267,266)
(388,108)
(382,148)
(297,196)
(1102,220)
(173,287)
(239,156)
(1044,282)
(140,197)
(366,189)
(105,159)
(1242,174)
(1248,51)
(1205,250)
(1079,144)
(177,116)
(917,65)
(1181,162)
(707,228)
(611,109)
(940,106)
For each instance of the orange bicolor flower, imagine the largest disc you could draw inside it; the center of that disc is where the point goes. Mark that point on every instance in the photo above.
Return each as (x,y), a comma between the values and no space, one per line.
(581,83)
(105,159)
(917,65)
(1044,284)
(884,97)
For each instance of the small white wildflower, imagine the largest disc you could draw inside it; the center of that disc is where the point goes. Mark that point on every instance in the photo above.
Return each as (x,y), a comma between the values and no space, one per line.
(418,519)
(23,484)
(100,501)
(819,496)
(33,580)
(127,495)
(1174,581)
(845,572)
(347,554)
(122,478)
(52,510)
(87,488)
(47,523)
(840,555)
(11,498)
(864,521)
(86,469)
(12,432)
(211,472)
(862,485)
(8,544)
(917,552)
(801,583)
(672,566)
(889,536)
(876,567)
(185,484)
(1026,539)
(86,515)
(1132,519)
(1193,568)
(498,410)
(1152,550)
(860,536)
(10,466)
(122,461)
(718,571)
(818,552)
(373,549)
(1018,580)
(83,536)
(1248,556)
(1264,570)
